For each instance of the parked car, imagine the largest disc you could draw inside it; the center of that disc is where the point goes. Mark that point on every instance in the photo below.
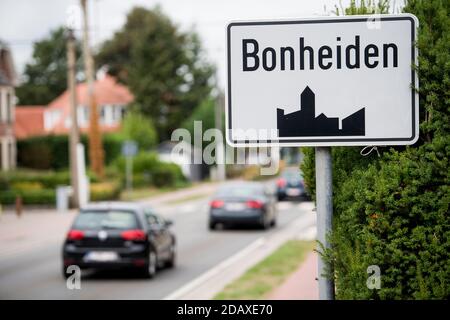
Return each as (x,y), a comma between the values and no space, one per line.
(119,235)
(247,203)
(290,185)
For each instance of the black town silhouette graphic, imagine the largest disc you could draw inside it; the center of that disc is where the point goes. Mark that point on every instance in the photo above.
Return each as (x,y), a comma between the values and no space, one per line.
(304,123)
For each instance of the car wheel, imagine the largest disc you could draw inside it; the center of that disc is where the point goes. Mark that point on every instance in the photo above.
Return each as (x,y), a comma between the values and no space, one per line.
(173,257)
(265,224)
(64,272)
(273,223)
(152,264)
(212,226)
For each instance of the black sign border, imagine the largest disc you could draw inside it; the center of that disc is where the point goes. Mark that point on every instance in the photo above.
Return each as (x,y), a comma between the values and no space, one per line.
(314,21)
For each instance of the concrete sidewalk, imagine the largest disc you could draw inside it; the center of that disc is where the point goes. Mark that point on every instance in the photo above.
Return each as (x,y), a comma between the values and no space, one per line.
(301,285)
(32,231)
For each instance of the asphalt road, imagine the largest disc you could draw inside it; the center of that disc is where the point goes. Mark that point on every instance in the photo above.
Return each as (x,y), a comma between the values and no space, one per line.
(37,274)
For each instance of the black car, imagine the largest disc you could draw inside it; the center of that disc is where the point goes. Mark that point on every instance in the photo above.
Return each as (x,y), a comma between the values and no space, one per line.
(290,185)
(119,235)
(243,203)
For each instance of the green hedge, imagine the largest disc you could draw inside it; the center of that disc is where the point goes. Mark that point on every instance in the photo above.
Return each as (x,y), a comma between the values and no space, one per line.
(393,210)
(99,192)
(30,197)
(52,151)
(148,170)
(48,180)
(105,191)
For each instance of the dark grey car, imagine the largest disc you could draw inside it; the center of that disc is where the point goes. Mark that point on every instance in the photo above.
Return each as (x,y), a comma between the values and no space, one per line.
(243,203)
(290,185)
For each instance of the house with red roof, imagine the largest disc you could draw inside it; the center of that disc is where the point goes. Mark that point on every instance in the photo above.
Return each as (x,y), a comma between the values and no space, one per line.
(112,99)
(29,121)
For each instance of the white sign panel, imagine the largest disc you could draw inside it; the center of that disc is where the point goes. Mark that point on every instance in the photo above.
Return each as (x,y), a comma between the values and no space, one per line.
(341,81)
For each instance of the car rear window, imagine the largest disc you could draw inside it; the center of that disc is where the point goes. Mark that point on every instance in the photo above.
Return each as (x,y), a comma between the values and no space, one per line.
(96,220)
(292,175)
(240,191)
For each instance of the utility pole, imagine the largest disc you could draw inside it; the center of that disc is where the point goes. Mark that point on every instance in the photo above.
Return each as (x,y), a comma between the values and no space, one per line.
(96,155)
(221,171)
(324,200)
(74,134)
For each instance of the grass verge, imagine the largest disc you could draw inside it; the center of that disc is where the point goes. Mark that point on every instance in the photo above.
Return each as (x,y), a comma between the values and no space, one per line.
(265,276)
(142,193)
(188,198)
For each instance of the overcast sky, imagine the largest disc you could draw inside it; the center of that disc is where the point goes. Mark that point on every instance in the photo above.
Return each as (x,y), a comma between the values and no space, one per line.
(24,21)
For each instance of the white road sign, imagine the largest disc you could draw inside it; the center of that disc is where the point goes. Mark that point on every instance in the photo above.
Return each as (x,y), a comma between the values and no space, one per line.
(338,81)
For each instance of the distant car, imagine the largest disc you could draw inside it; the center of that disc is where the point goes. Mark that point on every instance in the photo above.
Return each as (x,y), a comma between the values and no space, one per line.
(119,235)
(290,185)
(243,203)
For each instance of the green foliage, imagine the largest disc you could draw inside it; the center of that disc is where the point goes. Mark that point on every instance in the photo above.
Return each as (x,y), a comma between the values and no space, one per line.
(46,74)
(148,170)
(205,113)
(39,188)
(392,210)
(140,128)
(167,174)
(363,7)
(395,211)
(26,180)
(29,197)
(51,152)
(103,191)
(163,67)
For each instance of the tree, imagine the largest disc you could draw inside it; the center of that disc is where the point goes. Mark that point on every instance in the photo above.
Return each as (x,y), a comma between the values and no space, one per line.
(205,113)
(45,77)
(392,211)
(363,7)
(140,129)
(163,67)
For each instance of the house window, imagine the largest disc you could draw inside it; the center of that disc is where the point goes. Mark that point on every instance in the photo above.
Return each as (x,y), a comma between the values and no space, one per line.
(12,154)
(1,105)
(2,165)
(86,113)
(83,116)
(117,113)
(103,114)
(9,108)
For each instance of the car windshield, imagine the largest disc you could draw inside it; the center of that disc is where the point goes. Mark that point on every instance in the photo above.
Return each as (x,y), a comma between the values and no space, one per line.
(240,191)
(96,220)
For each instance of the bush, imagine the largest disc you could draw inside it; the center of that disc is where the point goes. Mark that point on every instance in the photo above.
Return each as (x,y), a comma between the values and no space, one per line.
(29,197)
(46,179)
(392,210)
(52,151)
(394,213)
(103,191)
(140,128)
(167,175)
(148,170)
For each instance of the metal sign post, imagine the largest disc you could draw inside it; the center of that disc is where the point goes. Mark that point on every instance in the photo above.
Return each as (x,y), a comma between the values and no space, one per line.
(324,203)
(129,172)
(129,150)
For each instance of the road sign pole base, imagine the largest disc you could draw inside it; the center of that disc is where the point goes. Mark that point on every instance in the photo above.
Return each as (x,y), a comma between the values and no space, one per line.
(324,203)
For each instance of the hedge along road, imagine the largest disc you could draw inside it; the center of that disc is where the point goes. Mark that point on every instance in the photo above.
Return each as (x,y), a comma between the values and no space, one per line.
(36,274)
